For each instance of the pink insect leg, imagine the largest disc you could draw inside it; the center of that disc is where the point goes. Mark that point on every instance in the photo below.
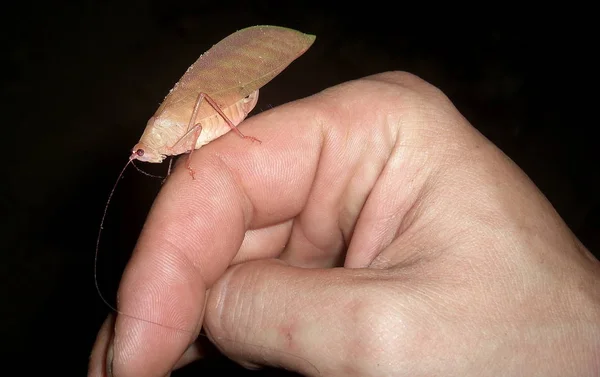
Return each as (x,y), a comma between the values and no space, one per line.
(197,127)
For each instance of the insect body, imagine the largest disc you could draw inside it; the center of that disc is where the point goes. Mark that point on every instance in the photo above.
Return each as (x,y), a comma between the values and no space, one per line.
(218,91)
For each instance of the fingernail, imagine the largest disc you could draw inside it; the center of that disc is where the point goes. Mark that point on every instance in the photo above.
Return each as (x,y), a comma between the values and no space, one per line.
(109,357)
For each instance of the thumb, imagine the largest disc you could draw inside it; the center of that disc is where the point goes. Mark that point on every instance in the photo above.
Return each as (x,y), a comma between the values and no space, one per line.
(317,322)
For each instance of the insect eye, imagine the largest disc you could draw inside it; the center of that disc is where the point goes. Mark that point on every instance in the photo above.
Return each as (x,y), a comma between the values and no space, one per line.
(140,152)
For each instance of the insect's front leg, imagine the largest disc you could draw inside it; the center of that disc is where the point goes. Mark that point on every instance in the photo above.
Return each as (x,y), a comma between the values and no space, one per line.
(168,171)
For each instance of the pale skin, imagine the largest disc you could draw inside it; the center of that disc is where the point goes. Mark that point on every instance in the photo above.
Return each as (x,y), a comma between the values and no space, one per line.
(374,232)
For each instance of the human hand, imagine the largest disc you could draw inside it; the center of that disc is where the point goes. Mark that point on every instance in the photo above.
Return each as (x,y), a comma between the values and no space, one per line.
(374,232)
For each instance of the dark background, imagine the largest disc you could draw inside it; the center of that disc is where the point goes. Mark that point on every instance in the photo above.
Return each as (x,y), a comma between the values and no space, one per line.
(84,77)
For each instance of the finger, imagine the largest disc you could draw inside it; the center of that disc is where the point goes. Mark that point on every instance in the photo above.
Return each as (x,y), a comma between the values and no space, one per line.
(317,322)
(97,366)
(317,161)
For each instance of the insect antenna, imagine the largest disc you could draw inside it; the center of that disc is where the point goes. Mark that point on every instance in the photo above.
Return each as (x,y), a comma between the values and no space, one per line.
(112,191)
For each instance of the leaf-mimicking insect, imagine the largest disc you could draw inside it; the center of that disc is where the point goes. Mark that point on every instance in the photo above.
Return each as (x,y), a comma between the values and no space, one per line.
(218,91)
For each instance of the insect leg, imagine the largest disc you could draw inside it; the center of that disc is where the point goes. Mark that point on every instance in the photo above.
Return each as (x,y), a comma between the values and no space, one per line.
(170,166)
(195,113)
(215,106)
(191,127)
(197,130)
(168,171)
(192,124)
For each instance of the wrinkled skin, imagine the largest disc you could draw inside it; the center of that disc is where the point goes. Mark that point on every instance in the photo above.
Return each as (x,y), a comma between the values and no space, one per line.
(374,232)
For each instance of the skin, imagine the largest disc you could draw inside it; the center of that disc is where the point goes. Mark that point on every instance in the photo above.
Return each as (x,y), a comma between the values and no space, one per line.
(374,232)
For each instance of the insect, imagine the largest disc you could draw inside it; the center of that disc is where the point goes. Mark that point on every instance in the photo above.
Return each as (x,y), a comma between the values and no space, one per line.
(218,91)
(214,95)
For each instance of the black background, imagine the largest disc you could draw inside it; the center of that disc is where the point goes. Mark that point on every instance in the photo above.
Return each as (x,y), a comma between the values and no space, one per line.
(83,78)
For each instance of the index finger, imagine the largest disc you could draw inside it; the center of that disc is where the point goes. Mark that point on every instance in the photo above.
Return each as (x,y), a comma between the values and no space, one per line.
(196,227)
